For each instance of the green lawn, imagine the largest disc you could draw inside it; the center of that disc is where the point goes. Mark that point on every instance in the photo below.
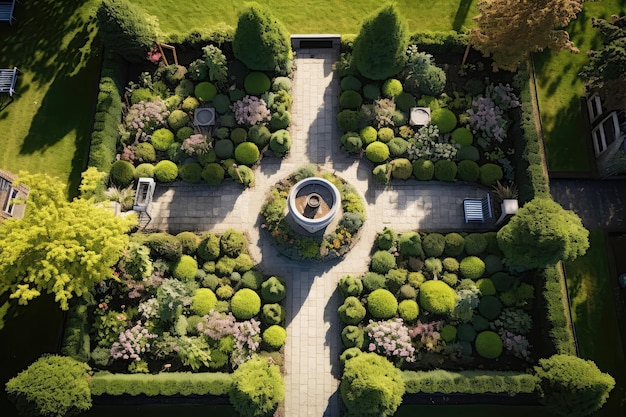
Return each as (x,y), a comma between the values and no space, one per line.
(566,139)
(47,127)
(471,411)
(595,318)
(312,16)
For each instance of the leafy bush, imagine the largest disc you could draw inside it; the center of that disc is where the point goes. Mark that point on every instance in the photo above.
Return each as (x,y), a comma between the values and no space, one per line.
(280,142)
(274,337)
(472,267)
(348,120)
(257,389)
(407,292)
(213,173)
(273,314)
(433,244)
(386,239)
(350,286)
(247,153)
(164,245)
(203,301)
(51,386)
(224,148)
(256,83)
(475,244)
(423,169)
(259,135)
(190,172)
(122,173)
(144,171)
(351,142)
(450,264)
(350,99)
(450,278)
(382,261)
(371,91)
(162,139)
(405,101)
(455,244)
(401,168)
(144,152)
(177,119)
(444,119)
(463,136)
(189,242)
(445,170)
(350,82)
(398,147)
(281,84)
(205,91)
(433,81)
(348,354)
(466,333)
(209,248)
(486,287)
(379,49)
(468,170)
(385,134)
(280,120)
(233,243)
(408,310)
(468,153)
(377,152)
(351,312)
(165,171)
(448,333)
(245,304)
(371,386)
(352,336)
(392,88)
(437,297)
(493,264)
(273,290)
(368,135)
(382,304)
(488,344)
(410,244)
(373,281)
(221,103)
(490,307)
(490,174)
(141,94)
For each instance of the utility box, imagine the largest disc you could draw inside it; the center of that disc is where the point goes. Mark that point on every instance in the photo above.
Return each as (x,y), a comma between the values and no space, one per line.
(204,117)
(144,193)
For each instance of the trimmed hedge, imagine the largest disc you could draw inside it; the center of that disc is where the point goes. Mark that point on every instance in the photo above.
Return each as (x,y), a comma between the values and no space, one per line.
(559,329)
(166,383)
(469,382)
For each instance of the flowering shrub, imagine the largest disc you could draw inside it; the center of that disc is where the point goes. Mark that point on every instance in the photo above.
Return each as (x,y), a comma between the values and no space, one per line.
(391,338)
(428,144)
(516,344)
(149,309)
(487,118)
(144,118)
(195,145)
(132,343)
(250,111)
(503,96)
(217,325)
(380,112)
(247,341)
(427,336)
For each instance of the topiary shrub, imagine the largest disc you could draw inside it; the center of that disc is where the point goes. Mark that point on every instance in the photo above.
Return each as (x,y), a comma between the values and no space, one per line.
(144,152)
(416,279)
(377,152)
(455,244)
(190,104)
(433,244)
(463,136)
(247,153)
(351,142)
(203,301)
(502,281)
(51,386)
(189,242)
(490,307)
(410,244)
(184,89)
(468,171)
(392,88)
(371,91)
(398,147)
(274,337)
(273,290)
(190,172)
(261,42)
(401,168)
(353,336)
(348,120)
(122,173)
(479,323)
(450,264)
(245,304)
(408,310)
(432,81)
(486,287)
(423,169)
(407,292)
(213,173)
(238,135)
(350,99)
(144,171)
(450,278)
(472,267)
(405,101)
(475,244)
(373,281)
(221,103)
(161,139)
(444,119)
(185,269)
(466,333)
(177,119)
(280,142)
(164,245)
(490,174)
(448,333)
(165,171)
(257,388)
(273,314)
(351,311)
(386,239)
(488,344)
(382,262)
(184,133)
(242,175)
(437,297)
(350,82)
(224,148)
(205,91)
(209,248)
(256,83)
(469,153)
(259,135)
(371,386)
(385,134)
(348,354)
(350,286)
(233,243)
(445,170)
(368,135)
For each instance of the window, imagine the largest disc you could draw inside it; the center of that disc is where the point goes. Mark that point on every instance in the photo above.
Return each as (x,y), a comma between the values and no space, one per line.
(9,206)
(594,106)
(605,133)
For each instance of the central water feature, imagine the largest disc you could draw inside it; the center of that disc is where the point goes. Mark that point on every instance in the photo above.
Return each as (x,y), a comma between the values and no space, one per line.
(314,203)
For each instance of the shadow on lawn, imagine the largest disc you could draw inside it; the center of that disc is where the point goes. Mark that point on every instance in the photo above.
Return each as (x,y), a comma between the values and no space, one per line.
(461,14)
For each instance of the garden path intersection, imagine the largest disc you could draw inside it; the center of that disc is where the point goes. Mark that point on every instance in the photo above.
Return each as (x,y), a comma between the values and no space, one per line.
(313,344)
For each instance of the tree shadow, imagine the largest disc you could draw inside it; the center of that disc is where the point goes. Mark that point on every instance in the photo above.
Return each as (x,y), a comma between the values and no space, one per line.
(461,14)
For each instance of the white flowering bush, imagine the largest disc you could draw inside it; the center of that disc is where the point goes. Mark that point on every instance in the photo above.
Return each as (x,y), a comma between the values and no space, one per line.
(391,338)
(132,343)
(143,118)
(250,111)
(149,309)
(429,144)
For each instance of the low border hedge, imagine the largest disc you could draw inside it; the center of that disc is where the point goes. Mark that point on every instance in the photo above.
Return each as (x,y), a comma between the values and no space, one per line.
(170,383)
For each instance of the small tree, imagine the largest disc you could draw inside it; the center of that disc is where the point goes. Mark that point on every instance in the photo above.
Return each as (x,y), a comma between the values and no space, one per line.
(53,386)
(257,388)
(508,30)
(379,50)
(371,386)
(59,247)
(542,233)
(571,386)
(261,42)
(124,28)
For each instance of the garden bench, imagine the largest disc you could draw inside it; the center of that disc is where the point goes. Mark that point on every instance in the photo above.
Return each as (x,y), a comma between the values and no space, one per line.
(6,11)
(477,209)
(8,78)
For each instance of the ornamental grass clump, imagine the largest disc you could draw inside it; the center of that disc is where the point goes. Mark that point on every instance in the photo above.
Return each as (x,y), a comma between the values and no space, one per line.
(391,339)
(250,111)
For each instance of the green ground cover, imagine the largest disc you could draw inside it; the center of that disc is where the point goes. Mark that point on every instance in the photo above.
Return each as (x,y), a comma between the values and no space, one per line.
(595,318)
(471,411)
(567,140)
(313,16)
(47,127)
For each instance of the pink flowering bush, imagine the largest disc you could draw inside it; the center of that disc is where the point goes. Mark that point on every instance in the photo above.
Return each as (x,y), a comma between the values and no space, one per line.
(195,145)
(247,334)
(250,111)
(143,118)
(132,343)
(487,118)
(391,338)
(427,336)
(217,325)
(503,96)
(516,344)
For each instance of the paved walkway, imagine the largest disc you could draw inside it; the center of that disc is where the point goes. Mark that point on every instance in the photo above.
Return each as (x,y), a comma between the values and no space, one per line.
(313,343)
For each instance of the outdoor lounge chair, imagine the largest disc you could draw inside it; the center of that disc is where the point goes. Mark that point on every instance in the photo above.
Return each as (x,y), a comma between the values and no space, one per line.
(6,11)
(8,79)
(477,209)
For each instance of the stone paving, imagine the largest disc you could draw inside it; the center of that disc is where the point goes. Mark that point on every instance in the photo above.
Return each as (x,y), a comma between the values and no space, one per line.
(313,343)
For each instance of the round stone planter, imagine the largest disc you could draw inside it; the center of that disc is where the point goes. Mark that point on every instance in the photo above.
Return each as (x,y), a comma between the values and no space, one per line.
(314,203)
